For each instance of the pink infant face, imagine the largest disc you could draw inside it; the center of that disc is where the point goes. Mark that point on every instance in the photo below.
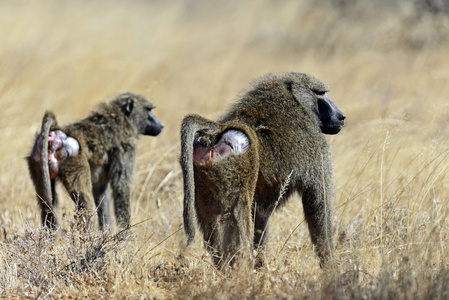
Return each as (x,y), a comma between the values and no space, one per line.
(232,142)
(60,146)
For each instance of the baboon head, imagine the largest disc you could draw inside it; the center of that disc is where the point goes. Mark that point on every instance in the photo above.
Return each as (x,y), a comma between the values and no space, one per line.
(138,110)
(313,93)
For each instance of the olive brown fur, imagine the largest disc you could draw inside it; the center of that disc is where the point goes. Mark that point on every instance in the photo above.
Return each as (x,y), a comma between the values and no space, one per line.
(223,187)
(107,141)
(288,113)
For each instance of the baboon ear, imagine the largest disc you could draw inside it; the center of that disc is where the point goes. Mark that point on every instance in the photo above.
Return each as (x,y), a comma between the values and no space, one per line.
(127,108)
(289,86)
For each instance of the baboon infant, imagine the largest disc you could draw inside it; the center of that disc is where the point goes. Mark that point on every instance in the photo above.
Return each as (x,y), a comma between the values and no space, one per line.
(238,170)
(88,155)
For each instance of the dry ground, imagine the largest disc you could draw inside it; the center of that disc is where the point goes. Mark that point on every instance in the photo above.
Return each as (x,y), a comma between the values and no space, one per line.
(387,65)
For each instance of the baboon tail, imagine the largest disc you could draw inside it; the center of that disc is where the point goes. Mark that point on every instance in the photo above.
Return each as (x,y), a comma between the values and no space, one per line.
(190,125)
(48,122)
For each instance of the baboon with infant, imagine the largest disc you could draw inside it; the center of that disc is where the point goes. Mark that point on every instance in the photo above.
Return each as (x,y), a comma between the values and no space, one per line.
(88,155)
(238,170)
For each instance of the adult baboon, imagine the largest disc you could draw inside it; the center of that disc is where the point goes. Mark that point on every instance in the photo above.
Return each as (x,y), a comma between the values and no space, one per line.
(282,117)
(87,155)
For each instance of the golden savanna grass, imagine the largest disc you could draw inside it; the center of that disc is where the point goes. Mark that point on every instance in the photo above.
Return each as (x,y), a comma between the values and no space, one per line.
(388,67)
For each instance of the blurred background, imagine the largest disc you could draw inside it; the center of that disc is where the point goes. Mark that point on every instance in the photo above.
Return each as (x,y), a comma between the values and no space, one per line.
(387,63)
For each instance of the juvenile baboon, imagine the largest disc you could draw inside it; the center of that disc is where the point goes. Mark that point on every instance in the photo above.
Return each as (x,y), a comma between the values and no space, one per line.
(88,155)
(283,117)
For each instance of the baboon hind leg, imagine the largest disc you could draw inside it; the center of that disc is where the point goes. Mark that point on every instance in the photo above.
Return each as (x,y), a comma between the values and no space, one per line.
(76,178)
(208,225)
(237,233)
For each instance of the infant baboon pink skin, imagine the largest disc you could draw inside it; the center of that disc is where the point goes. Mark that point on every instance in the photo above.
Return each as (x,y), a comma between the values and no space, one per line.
(59,147)
(284,117)
(88,155)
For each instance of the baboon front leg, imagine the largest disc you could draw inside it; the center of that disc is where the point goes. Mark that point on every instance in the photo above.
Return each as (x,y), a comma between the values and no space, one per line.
(260,229)
(260,236)
(102,203)
(318,214)
(48,210)
(122,169)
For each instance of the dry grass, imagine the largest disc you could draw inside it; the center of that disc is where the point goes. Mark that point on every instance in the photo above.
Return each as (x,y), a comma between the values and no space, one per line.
(389,71)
